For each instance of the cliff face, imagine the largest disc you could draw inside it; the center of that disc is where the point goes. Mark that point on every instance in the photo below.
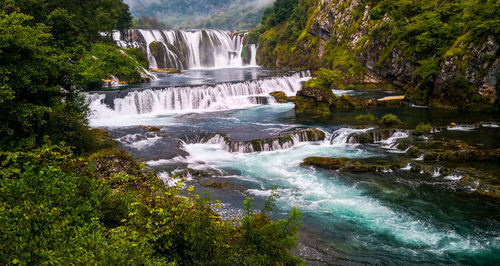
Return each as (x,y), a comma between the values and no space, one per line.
(375,42)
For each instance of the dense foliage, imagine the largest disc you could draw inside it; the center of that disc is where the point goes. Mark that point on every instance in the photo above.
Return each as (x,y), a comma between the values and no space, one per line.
(67,195)
(74,22)
(36,85)
(106,209)
(216,14)
(428,34)
(105,62)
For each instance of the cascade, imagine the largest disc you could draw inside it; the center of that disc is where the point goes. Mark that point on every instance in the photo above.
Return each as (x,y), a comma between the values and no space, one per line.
(340,137)
(194,49)
(283,142)
(222,96)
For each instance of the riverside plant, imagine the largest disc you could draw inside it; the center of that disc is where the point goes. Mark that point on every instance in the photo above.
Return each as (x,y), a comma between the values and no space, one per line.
(390,120)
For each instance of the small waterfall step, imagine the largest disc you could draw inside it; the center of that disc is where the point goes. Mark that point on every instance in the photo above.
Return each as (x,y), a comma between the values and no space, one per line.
(223,96)
(284,140)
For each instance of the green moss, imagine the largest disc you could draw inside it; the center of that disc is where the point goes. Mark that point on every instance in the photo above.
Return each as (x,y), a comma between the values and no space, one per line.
(366,117)
(390,120)
(423,128)
(305,106)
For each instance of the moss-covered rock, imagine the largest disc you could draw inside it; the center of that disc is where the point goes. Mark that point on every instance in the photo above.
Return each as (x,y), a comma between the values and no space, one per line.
(151,128)
(326,163)
(466,154)
(281,97)
(313,101)
(346,102)
(353,165)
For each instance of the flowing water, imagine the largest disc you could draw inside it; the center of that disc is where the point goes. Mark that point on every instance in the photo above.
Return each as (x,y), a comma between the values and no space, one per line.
(377,218)
(191,49)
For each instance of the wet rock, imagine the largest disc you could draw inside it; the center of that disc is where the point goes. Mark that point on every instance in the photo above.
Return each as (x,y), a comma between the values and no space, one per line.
(326,163)
(467,154)
(151,128)
(413,152)
(307,106)
(197,173)
(284,140)
(281,97)
(352,165)
(371,136)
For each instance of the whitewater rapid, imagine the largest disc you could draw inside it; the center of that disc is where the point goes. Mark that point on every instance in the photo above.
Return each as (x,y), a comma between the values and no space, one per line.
(149,103)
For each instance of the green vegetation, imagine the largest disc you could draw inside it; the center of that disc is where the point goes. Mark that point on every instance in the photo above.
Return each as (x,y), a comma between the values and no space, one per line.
(424,34)
(390,120)
(106,209)
(102,61)
(215,14)
(68,196)
(366,117)
(423,128)
(327,79)
(73,23)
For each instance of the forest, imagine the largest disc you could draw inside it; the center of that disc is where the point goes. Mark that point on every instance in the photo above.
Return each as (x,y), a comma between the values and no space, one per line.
(211,14)
(67,195)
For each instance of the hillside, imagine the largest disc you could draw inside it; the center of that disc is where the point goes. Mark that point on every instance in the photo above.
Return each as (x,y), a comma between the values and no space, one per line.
(443,53)
(231,15)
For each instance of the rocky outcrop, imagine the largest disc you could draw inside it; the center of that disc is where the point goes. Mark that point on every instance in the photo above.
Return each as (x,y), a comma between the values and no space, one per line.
(466,76)
(479,65)
(313,101)
(321,102)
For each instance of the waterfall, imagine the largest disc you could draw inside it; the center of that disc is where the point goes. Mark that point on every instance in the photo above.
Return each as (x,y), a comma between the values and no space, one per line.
(215,97)
(340,137)
(392,142)
(284,141)
(194,49)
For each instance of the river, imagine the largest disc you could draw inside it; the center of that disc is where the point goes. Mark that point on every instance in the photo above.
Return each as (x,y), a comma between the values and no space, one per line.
(207,116)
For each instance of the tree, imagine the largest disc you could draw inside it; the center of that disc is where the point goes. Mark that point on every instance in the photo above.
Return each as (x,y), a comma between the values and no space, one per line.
(73,22)
(38,97)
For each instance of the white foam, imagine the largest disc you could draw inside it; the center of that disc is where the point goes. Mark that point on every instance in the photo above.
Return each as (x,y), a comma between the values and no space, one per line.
(453,177)
(491,125)
(340,136)
(342,92)
(462,128)
(317,194)
(154,104)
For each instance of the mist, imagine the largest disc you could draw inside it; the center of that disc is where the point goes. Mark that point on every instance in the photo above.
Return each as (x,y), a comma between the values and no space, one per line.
(145,3)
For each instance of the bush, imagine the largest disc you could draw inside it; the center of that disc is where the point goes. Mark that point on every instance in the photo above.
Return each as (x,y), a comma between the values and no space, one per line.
(366,117)
(390,120)
(423,128)
(106,209)
(102,61)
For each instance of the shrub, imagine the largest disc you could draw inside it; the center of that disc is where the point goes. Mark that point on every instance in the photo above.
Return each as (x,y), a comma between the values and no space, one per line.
(423,128)
(390,120)
(366,117)
(105,209)
(102,61)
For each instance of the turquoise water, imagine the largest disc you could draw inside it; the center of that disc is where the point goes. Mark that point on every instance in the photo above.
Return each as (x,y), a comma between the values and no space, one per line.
(375,218)
(366,219)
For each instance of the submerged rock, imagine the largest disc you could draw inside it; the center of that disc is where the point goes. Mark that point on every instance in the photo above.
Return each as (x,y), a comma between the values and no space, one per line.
(352,165)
